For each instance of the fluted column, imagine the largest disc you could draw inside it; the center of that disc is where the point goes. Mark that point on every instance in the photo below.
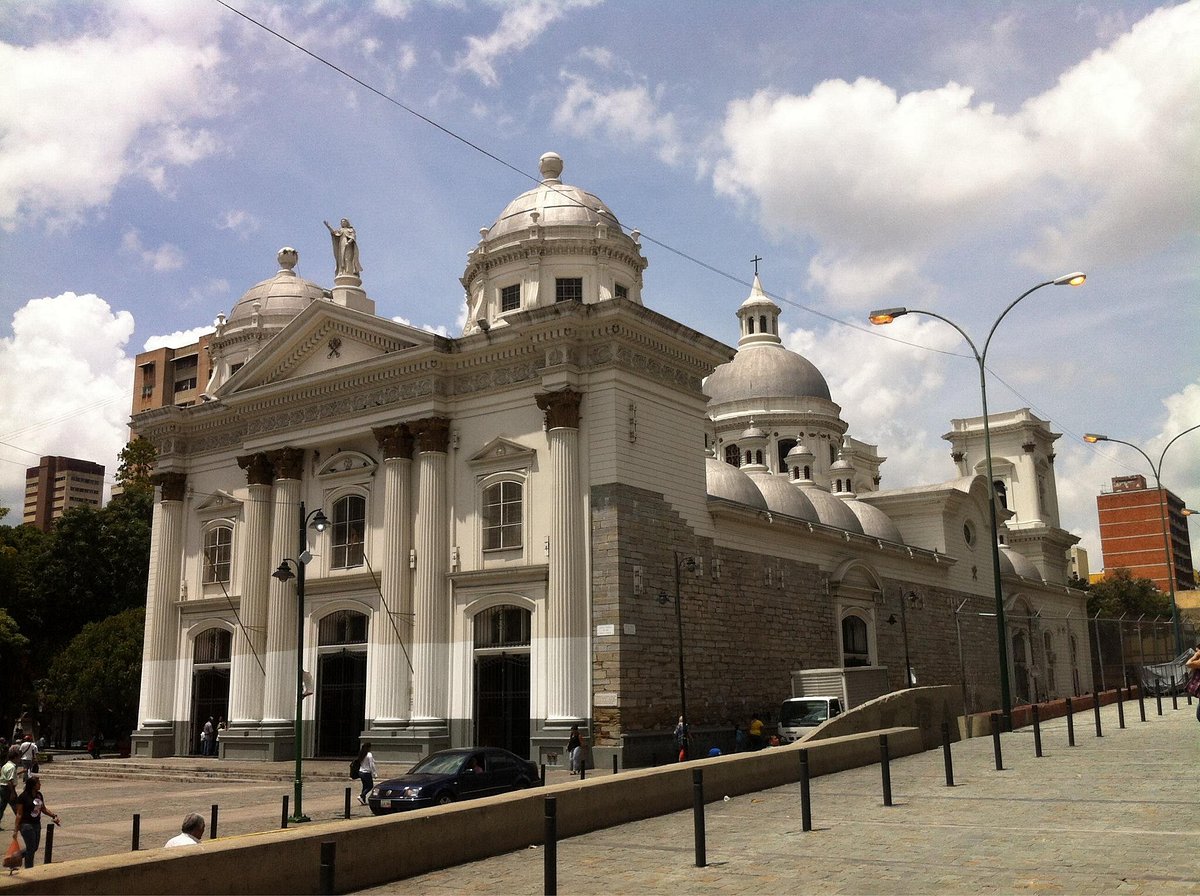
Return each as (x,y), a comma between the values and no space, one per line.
(279,697)
(431,605)
(248,666)
(567,673)
(392,631)
(159,660)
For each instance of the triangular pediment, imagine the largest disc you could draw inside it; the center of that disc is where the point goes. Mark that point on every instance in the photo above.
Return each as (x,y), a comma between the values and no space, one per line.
(219,503)
(326,337)
(502,451)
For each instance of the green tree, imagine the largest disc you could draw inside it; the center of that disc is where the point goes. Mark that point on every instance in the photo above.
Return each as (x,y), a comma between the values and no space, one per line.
(99,672)
(137,464)
(1119,592)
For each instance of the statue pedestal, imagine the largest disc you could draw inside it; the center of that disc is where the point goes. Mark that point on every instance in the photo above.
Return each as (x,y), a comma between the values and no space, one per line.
(348,291)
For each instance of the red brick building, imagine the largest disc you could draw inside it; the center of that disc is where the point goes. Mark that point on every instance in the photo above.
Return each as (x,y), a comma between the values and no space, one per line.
(1131,532)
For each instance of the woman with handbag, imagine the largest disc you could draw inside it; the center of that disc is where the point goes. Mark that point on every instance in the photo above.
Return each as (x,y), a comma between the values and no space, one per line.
(31,806)
(1193,685)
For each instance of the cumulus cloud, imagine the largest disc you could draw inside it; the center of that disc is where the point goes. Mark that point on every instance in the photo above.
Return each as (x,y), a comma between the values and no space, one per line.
(1100,165)
(521,24)
(166,257)
(178,339)
(67,384)
(239,220)
(82,112)
(626,115)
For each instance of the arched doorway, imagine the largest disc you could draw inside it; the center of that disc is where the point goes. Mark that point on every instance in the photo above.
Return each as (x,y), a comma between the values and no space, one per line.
(341,682)
(1020,665)
(210,681)
(502,678)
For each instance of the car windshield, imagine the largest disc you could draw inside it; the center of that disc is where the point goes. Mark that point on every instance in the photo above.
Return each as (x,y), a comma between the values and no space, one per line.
(438,764)
(804,712)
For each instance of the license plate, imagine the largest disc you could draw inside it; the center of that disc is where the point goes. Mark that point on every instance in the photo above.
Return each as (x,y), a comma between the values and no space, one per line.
(385,804)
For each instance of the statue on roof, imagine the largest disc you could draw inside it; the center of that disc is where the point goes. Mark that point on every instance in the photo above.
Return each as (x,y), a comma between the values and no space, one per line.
(345,248)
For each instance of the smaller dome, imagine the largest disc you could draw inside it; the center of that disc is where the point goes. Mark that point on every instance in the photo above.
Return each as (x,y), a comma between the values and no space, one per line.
(783,497)
(728,482)
(1017,564)
(831,510)
(285,294)
(874,521)
(552,204)
(752,432)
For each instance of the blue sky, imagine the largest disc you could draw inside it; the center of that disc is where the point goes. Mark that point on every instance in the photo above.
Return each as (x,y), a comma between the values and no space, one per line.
(154,156)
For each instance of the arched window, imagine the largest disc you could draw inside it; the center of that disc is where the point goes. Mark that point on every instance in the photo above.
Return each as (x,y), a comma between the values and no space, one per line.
(784,446)
(1001,492)
(856,648)
(762,324)
(749,325)
(349,531)
(733,455)
(218,555)
(213,645)
(807,472)
(758,457)
(342,627)
(503,515)
(504,626)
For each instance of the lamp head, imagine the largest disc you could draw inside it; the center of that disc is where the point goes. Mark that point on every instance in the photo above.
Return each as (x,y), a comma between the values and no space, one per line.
(1094,437)
(1074,279)
(284,573)
(320,522)
(886,315)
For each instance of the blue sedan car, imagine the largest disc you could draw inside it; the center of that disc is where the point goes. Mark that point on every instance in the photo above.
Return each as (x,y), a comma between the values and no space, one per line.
(453,775)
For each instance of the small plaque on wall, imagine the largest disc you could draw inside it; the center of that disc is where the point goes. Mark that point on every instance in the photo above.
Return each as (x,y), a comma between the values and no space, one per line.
(605,698)
(606,631)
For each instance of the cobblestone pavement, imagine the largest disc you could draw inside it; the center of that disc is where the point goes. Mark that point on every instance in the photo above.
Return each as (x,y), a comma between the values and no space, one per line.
(1115,814)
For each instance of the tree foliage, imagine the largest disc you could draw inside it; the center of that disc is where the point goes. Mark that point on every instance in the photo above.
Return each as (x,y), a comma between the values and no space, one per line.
(100,671)
(1120,593)
(137,464)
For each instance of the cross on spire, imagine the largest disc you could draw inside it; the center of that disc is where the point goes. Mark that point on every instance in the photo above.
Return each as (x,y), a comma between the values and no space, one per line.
(756,259)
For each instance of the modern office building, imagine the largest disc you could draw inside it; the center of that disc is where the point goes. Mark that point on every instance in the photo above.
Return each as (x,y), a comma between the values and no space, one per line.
(171,376)
(57,484)
(1131,533)
(533,524)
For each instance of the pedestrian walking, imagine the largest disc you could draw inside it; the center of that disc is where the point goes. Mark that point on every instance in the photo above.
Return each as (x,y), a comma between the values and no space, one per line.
(29,754)
(31,806)
(681,739)
(366,771)
(207,738)
(575,750)
(8,781)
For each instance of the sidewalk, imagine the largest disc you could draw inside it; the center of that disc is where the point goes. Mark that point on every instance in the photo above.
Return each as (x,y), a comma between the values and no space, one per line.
(1112,814)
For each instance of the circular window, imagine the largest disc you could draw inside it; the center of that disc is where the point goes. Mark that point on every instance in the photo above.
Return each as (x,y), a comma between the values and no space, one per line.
(969,532)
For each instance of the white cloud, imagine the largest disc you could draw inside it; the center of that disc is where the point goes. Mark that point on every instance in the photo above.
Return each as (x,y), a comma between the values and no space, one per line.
(521,24)
(626,115)
(66,381)
(1100,165)
(393,9)
(240,220)
(81,113)
(178,339)
(167,257)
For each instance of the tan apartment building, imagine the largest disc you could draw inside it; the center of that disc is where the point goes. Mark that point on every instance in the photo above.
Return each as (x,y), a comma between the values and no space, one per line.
(57,484)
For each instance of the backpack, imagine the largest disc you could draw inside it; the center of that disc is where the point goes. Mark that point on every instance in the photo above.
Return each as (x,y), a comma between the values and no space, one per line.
(354,768)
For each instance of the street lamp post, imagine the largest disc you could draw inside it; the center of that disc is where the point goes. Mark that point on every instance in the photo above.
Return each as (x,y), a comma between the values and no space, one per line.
(690,562)
(886,316)
(1168,554)
(284,573)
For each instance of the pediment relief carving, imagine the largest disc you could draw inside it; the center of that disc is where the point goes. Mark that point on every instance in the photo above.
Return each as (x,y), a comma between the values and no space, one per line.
(347,466)
(502,452)
(219,503)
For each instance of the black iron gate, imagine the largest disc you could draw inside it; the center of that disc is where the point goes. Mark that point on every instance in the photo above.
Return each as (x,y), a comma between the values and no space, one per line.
(210,700)
(502,701)
(341,702)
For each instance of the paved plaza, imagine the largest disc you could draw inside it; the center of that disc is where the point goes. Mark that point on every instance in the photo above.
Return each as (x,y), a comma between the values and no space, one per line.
(1117,814)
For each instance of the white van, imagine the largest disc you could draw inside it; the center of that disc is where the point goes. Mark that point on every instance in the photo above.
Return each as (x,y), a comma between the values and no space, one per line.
(799,715)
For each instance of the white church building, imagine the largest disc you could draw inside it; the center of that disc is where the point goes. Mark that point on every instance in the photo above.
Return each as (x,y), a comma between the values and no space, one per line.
(513,514)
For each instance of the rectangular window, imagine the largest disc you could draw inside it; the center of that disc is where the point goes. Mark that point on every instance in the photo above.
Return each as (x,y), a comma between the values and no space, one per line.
(568,289)
(218,548)
(510,298)
(349,532)
(621,291)
(502,516)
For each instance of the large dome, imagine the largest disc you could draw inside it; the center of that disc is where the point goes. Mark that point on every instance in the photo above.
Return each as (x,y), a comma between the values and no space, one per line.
(556,204)
(285,294)
(765,370)
(1018,564)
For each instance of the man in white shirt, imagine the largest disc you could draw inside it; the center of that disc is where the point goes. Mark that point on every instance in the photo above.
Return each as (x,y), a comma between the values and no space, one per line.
(8,781)
(191,832)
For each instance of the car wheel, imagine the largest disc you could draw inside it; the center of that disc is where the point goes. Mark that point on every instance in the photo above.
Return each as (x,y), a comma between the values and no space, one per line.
(444,799)
(520,784)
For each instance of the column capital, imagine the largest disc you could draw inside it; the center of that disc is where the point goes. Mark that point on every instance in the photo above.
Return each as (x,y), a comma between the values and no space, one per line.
(561,408)
(288,462)
(395,441)
(258,467)
(173,485)
(433,433)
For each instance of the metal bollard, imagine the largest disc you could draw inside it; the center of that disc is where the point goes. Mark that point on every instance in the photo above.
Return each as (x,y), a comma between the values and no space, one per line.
(583,768)
(805,794)
(1070,723)
(698,816)
(614,763)
(284,816)
(1037,731)
(947,759)
(1189,696)
(212,823)
(885,769)
(328,856)
(1158,700)
(996,741)
(137,831)
(542,780)
(1174,698)
(1120,709)
(550,848)
(346,808)
(1096,712)
(1141,703)
(49,855)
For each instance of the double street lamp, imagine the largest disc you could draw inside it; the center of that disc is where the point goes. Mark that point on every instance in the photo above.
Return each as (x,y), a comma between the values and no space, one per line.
(886,316)
(680,562)
(1168,554)
(319,522)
